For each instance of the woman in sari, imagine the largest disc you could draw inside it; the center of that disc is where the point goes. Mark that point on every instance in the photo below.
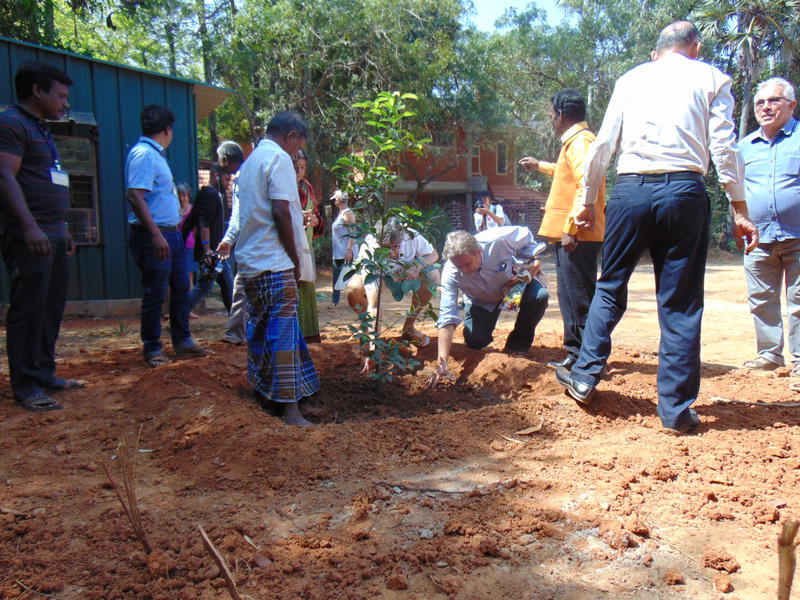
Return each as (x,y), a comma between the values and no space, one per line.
(307,307)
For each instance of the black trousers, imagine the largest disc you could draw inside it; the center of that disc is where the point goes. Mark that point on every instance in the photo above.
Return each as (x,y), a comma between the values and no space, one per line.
(670,218)
(576,275)
(36,304)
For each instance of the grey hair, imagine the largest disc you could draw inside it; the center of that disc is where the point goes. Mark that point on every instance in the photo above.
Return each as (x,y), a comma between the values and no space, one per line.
(788,88)
(231,151)
(390,232)
(183,188)
(460,242)
(680,34)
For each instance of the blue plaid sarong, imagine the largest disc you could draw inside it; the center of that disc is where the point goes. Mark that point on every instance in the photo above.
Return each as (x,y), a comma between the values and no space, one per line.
(278,363)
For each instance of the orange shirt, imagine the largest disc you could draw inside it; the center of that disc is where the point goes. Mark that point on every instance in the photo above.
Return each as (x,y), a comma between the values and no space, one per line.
(566,194)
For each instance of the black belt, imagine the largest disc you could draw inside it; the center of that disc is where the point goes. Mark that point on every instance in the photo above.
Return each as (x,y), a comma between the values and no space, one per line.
(139,227)
(660,177)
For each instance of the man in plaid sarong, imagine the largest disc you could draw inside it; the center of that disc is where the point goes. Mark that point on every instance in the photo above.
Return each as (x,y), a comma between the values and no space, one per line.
(273,254)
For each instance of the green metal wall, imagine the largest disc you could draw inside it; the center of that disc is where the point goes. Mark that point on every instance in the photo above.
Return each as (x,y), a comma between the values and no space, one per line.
(115,95)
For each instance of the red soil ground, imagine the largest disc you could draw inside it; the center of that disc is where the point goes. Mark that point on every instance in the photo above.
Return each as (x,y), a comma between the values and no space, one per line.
(402,493)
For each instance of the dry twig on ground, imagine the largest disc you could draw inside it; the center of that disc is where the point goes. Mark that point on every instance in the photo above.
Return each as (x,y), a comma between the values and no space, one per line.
(223,568)
(786,558)
(721,400)
(126,454)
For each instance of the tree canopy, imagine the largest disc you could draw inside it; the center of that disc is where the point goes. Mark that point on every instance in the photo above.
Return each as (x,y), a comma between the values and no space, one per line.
(322,57)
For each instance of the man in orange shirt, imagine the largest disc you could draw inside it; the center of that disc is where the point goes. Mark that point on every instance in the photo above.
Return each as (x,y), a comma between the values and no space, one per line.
(576,249)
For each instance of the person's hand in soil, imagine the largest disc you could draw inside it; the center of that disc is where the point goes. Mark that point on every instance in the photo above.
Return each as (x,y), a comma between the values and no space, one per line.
(369,366)
(440,372)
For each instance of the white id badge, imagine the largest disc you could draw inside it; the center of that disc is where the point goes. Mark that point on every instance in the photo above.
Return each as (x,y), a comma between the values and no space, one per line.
(59,177)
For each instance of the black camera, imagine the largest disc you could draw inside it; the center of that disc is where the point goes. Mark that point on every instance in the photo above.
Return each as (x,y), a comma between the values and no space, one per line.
(210,267)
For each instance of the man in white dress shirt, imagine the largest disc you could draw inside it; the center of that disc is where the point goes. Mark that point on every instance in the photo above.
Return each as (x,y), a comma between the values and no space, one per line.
(665,120)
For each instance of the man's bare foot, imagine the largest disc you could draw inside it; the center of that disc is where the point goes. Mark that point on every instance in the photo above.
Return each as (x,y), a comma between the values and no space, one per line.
(293,416)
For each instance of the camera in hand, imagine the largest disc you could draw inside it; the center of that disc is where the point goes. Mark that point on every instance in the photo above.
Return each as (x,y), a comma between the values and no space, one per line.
(210,267)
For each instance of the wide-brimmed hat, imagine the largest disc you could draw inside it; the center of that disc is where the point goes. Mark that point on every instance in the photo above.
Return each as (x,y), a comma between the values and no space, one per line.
(339,195)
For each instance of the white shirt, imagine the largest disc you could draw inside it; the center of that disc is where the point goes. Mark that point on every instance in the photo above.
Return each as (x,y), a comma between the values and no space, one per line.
(495,209)
(232,232)
(413,246)
(340,231)
(672,114)
(268,176)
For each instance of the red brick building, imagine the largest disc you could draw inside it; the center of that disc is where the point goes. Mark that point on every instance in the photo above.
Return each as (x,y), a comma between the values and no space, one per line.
(451,176)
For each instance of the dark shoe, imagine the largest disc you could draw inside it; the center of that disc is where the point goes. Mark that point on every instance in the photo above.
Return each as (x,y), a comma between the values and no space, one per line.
(39,402)
(191,351)
(581,392)
(58,384)
(515,351)
(694,423)
(567,363)
(761,364)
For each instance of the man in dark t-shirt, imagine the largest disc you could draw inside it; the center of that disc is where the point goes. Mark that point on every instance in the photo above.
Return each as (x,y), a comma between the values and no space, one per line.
(210,219)
(35,243)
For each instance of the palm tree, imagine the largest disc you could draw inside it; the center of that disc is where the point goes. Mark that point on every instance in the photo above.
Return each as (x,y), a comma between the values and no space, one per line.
(753,30)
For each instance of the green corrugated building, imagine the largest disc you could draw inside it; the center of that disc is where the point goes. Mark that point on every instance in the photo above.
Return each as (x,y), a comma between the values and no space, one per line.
(93,140)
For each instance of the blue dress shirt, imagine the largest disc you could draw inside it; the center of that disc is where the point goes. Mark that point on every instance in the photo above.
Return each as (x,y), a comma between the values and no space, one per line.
(502,248)
(772,182)
(147,169)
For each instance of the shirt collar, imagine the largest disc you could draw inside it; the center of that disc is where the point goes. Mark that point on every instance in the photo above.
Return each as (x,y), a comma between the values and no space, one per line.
(573,130)
(151,142)
(788,128)
(29,114)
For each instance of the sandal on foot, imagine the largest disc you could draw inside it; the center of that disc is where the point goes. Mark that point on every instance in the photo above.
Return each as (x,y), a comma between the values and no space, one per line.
(418,339)
(761,364)
(156,360)
(39,402)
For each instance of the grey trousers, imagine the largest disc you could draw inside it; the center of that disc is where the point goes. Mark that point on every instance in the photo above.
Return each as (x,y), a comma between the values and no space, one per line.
(765,268)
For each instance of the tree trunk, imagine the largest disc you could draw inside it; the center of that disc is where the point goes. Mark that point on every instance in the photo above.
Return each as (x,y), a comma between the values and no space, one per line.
(747,92)
(49,32)
(169,29)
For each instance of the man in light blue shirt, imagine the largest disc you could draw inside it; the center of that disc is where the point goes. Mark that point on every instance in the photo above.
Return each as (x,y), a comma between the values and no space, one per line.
(772,190)
(155,242)
(482,267)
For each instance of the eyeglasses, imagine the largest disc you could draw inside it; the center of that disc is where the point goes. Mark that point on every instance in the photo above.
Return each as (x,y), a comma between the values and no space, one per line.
(769,101)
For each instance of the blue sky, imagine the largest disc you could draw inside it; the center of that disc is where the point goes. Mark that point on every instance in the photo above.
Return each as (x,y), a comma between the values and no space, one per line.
(489,10)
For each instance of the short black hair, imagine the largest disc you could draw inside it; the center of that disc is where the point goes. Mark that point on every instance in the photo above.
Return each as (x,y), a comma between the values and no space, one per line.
(569,104)
(284,122)
(156,118)
(32,72)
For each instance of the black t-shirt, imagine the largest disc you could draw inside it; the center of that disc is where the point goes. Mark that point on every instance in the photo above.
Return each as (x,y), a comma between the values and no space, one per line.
(24,136)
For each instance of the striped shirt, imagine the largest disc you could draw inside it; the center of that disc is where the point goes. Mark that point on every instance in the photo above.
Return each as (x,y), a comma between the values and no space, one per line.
(24,136)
